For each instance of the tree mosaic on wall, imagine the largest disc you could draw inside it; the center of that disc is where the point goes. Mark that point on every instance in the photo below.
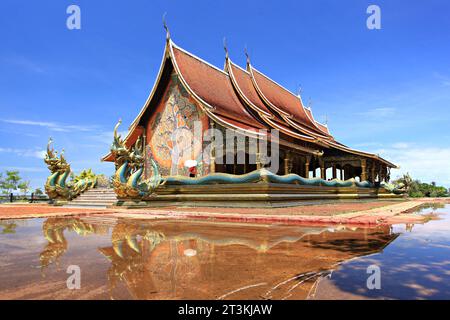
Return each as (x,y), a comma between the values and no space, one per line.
(175,132)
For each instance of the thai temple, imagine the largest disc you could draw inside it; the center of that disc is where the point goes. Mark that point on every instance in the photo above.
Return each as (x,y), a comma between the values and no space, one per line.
(230,136)
(191,95)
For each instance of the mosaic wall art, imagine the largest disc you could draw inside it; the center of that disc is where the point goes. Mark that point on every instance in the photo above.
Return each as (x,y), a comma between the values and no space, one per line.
(171,139)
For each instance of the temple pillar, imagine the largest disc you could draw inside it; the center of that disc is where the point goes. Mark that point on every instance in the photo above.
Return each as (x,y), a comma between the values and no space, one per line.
(258,157)
(212,152)
(373,172)
(286,162)
(383,174)
(322,170)
(363,169)
(308,159)
(334,172)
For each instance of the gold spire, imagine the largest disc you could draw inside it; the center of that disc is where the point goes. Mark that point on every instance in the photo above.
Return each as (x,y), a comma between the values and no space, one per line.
(247,55)
(166,27)
(299,90)
(225,47)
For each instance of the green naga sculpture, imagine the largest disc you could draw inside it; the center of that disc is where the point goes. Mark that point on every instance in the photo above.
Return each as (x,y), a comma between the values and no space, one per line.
(56,186)
(129,162)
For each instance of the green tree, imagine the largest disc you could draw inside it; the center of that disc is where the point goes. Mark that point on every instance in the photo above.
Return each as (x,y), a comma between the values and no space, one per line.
(38,192)
(24,186)
(420,189)
(10,183)
(2,183)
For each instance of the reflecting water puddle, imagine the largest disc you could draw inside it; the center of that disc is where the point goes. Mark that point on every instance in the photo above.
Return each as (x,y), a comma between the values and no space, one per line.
(169,259)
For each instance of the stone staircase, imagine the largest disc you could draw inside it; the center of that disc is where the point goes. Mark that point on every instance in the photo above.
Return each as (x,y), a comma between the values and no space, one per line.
(94,198)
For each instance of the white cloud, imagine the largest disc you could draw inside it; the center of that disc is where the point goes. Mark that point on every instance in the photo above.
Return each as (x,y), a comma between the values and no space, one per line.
(25,169)
(379,112)
(445,81)
(401,145)
(424,163)
(40,154)
(107,137)
(24,63)
(367,144)
(54,126)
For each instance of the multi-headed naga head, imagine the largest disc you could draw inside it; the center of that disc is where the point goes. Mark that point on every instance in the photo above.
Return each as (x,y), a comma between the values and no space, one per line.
(55,163)
(137,155)
(118,147)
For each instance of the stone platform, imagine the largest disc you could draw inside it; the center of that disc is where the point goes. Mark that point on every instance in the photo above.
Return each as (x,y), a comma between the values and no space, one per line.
(251,195)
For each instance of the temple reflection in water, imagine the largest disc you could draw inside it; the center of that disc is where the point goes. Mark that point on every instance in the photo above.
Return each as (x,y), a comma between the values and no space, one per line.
(168,259)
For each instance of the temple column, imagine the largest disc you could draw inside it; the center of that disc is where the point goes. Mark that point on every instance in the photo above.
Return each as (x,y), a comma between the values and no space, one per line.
(258,157)
(373,172)
(334,172)
(322,170)
(212,152)
(384,173)
(363,169)
(286,162)
(308,159)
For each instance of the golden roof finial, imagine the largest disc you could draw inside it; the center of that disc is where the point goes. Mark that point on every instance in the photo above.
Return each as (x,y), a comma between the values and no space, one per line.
(225,47)
(247,55)
(166,27)
(299,90)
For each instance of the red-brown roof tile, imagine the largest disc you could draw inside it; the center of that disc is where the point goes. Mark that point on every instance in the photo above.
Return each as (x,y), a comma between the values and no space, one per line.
(284,100)
(213,87)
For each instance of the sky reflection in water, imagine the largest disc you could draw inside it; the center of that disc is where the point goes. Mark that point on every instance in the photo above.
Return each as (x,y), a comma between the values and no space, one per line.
(162,259)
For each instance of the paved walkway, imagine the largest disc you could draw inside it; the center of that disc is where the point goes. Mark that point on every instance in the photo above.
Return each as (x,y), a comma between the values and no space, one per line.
(375,213)
(23,211)
(390,213)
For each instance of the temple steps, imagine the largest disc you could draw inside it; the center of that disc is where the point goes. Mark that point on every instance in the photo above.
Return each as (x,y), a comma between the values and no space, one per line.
(94,198)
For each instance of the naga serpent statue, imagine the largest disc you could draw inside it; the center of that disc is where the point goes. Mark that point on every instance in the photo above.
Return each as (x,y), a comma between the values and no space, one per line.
(129,164)
(56,186)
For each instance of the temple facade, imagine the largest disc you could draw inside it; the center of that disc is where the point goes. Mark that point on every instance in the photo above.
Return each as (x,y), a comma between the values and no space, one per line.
(192,101)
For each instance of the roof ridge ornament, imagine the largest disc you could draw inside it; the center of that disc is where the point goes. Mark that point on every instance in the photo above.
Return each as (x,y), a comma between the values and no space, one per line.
(309,103)
(299,91)
(247,55)
(165,26)
(225,47)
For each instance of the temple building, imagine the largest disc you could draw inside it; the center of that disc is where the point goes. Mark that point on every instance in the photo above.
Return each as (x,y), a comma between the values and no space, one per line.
(190,94)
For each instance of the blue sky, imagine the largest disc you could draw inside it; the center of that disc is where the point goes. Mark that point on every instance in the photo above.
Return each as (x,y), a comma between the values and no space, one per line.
(385,91)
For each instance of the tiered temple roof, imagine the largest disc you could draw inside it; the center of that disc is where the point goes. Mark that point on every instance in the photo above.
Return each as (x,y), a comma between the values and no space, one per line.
(241,99)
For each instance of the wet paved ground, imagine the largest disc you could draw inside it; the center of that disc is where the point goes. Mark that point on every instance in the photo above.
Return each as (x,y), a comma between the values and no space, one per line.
(321,209)
(348,212)
(123,258)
